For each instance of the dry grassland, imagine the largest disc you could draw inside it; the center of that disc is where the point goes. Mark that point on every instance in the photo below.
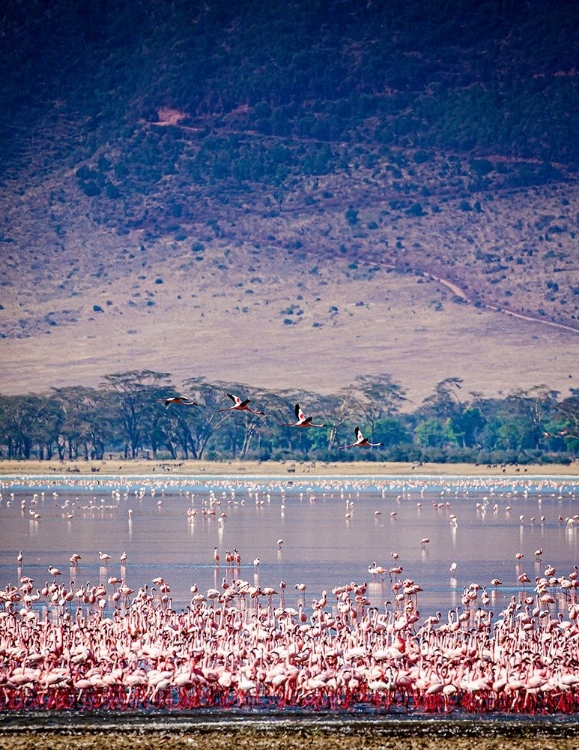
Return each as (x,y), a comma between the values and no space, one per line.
(298,298)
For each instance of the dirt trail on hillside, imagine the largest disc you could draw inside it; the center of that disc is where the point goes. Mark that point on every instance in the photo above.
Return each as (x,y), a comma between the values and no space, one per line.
(462,294)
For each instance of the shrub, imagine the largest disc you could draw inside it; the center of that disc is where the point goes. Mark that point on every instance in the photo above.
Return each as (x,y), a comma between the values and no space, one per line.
(90,189)
(351,216)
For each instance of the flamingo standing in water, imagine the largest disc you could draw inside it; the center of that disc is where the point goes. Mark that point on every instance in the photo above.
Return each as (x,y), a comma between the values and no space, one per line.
(239,405)
(361,441)
(302,420)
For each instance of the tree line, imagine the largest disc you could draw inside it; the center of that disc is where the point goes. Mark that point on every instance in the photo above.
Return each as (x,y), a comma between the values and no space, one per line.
(126,417)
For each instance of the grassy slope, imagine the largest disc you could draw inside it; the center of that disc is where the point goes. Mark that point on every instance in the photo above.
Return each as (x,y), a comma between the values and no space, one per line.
(224,313)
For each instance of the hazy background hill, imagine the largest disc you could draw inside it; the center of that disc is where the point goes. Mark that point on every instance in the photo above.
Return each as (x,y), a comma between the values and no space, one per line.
(271,193)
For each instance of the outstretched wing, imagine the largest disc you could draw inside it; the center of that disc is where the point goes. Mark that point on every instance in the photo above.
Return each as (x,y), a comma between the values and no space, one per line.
(300,416)
(236,400)
(358,433)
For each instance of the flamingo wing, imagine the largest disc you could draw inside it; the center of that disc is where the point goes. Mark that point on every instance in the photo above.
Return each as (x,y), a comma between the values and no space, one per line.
(359,436)
(299,414)
(236,400)
(241,404)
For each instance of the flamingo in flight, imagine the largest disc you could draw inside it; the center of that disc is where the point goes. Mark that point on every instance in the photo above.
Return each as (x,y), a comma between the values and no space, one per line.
(361,441)
(239,405)
(183,400)
(302,420)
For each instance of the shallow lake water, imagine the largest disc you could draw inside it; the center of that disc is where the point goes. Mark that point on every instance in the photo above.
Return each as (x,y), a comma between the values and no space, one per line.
(332,529)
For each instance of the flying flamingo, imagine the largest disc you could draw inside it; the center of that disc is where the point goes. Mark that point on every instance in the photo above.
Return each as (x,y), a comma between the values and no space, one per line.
(239,405)
(183,400)
(302,420)
(361,441)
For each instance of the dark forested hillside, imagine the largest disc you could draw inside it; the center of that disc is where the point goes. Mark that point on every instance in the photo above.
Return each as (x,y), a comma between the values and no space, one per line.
(490,76)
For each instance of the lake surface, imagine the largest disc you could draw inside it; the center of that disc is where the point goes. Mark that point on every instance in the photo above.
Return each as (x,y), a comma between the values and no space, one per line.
(332,529)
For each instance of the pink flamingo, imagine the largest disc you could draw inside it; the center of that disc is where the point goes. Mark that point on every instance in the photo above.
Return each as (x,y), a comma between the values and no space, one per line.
(361,441)
(183,400)
(239,405)
(302,420)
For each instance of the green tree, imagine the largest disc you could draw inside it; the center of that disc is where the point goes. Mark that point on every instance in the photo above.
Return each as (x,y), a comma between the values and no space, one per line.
(379,396)
(136,393)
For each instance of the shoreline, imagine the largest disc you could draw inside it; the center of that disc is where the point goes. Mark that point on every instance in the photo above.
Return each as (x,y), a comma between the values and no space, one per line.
(121,467)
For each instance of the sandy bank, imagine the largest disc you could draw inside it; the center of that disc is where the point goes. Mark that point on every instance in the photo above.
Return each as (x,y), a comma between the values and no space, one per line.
(272,468)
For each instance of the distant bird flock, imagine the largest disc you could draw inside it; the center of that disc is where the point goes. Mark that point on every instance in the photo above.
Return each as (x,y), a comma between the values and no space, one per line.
(301,419)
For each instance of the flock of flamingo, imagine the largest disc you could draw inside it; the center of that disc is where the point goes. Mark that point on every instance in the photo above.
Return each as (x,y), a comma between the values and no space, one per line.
(239,645)
(301,419)
(111,647)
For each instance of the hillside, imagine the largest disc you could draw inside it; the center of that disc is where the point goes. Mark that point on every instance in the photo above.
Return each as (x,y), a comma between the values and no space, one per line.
(269,194)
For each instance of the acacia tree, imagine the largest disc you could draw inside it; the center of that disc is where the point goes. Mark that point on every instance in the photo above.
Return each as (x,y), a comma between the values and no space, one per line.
(524,415)
(290,440)
(87,422)
(136,392)
(339,411)
(200,426)
(461,421)
(27,421)
(566,417)
(381,398)
(240,428)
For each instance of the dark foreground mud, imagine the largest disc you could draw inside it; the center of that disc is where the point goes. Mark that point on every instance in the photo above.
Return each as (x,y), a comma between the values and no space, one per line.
(313,733)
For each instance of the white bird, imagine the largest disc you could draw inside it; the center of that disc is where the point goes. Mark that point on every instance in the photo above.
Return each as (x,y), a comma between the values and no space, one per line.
(183,400)
(104,557)
(302,420)
(361,441)
(239,405)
